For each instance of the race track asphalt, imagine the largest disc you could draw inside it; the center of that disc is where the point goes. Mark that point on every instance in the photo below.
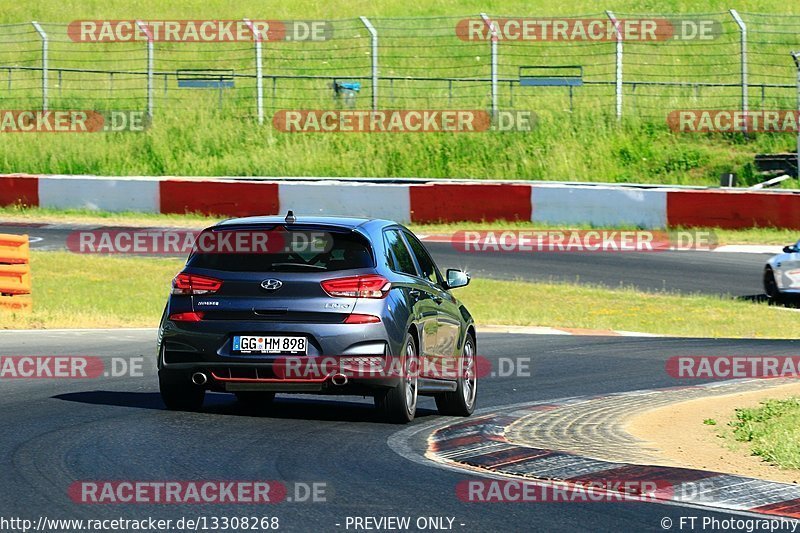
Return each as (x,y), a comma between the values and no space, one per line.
(115,428)
(57,432)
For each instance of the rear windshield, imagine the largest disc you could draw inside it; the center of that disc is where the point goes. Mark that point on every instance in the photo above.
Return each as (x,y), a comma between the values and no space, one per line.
(304,251)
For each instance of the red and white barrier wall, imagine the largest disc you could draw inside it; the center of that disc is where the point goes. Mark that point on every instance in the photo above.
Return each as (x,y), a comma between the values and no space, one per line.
(416,201)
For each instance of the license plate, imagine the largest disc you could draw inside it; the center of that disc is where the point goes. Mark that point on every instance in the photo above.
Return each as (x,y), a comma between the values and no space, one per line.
(269,344)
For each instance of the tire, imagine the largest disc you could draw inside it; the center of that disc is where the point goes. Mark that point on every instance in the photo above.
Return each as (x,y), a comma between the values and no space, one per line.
(179,393)
(461,402)
(399,404)
(770,287)
(255,399)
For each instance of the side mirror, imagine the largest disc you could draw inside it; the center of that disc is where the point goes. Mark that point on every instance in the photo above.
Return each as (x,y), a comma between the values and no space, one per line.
(786,249)
(456,278)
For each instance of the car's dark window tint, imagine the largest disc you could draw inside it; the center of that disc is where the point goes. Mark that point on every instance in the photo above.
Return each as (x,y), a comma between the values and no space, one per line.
(399,256)
(424,260)
(343,251)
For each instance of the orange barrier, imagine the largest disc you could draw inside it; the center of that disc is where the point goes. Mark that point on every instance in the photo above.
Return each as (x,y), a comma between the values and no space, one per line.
(14,249)
(20,302)
(15,273)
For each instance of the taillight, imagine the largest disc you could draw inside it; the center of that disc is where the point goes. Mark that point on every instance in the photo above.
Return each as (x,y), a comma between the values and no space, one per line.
(356,318)
(368,286)
(191,316)
(193,284)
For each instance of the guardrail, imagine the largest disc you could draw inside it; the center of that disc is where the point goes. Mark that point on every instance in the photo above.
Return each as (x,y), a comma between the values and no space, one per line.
(15,273)
(418,201)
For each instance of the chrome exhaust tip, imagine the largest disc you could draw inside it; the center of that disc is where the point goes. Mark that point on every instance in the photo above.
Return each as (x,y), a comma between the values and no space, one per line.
(199,378)
(339,380)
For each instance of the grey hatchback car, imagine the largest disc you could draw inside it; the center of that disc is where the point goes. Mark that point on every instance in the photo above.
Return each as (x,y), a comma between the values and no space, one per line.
(328,305)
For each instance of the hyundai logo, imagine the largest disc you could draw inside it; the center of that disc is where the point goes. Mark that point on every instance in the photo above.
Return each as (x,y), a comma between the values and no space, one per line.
(271,284)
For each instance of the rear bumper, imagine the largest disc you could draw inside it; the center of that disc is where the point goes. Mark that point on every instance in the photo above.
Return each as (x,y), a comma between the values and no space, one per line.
(205,347)
(238,378)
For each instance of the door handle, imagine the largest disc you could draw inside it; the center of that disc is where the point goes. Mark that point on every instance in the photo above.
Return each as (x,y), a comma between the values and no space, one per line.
(414,293)
(436,298)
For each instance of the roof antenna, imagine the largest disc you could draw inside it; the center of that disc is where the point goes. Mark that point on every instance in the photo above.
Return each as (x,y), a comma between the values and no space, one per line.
(290,218)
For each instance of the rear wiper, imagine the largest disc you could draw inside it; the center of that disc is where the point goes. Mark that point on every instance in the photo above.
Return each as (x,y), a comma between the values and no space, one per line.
(303,265)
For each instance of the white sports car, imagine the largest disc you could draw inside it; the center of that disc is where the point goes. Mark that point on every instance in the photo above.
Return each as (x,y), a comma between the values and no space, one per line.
(782,273)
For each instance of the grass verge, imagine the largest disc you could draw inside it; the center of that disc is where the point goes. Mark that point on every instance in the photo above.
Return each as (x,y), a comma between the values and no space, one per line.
(79,291)
(581,306)
(771,430)
(74,291)
(630,152)
(23,214)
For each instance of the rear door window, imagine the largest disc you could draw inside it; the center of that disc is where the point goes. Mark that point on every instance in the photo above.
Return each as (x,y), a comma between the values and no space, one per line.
(426,264)
(399,256)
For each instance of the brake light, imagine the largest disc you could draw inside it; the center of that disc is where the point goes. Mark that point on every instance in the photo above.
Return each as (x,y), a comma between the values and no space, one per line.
(191,316)
(193,284)
(368,286)
(355,318)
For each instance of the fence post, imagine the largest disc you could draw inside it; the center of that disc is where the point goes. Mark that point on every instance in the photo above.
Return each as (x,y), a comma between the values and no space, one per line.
(493,29)
(259,73)
(743,37)
(618,54)
(796,57)
(144,29)
(374,35)
(45,72)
